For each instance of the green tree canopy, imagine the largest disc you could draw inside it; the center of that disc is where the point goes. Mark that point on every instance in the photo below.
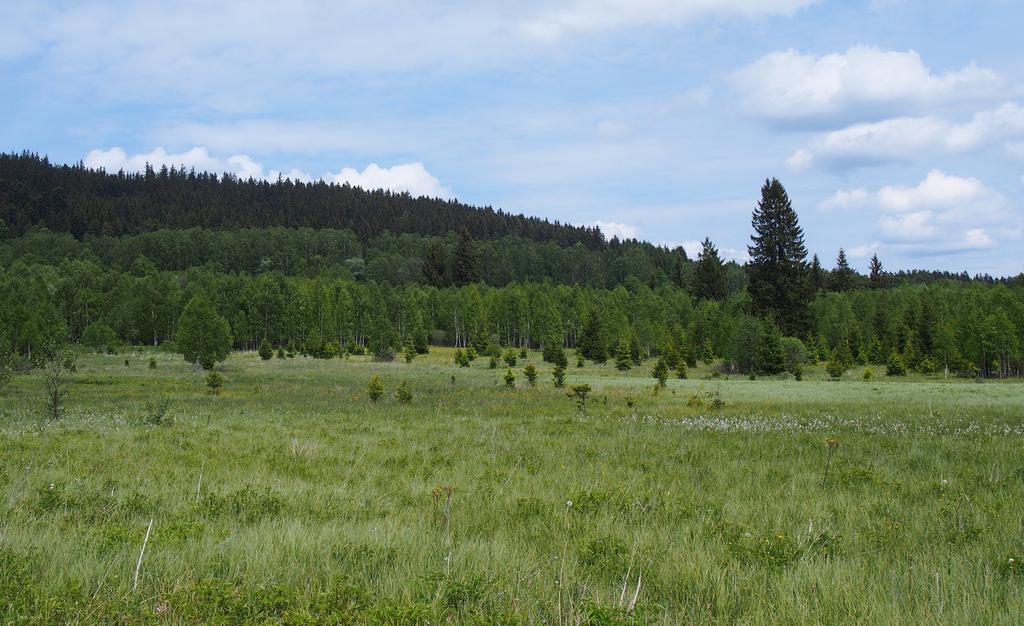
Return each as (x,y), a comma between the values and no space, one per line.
(204,336)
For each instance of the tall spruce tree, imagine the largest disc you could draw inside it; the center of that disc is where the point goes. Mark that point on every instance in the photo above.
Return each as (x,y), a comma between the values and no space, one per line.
(435,265)
(816,275)
(466,264)
(709,273)
(842,276)
(876,276)
(779,287)
(593,342)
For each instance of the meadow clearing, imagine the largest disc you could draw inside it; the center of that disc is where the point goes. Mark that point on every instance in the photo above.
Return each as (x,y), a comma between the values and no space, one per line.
(291,497)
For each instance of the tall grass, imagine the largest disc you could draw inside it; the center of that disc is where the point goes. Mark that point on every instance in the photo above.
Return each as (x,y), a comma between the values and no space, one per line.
(291,497)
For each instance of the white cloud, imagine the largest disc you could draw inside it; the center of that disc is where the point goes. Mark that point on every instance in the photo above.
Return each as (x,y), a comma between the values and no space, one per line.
(942,213)
(864,81)
(618,229)
(907,138)
(409,177)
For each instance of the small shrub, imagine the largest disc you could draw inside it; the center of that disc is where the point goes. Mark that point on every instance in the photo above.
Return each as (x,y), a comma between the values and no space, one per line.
(510,358)
(152,362)
(126,363)
(266,351)
(579,360)
(835,366)
(461,358)
(681,370)
(214,381)
(375,388)
(531,374)
(579,392)
(523,354)
(156,411)
(280,353)
(868,374)
(402,393)
(409,352)
(558,373)
(660,373)
(896,365)
(493,363)
(510,378)
(798,371)
(384,354)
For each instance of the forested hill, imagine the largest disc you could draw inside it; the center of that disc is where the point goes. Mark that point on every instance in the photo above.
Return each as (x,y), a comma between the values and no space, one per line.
(81,201)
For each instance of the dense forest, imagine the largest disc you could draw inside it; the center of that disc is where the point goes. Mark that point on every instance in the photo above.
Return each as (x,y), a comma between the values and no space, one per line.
(107,260)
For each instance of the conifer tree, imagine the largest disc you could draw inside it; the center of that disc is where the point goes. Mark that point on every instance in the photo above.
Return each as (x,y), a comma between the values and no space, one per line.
(816,275)
(266,352)
(709,273)
(842,276)
(593,342)
(466,263)
(623,355)
(777,267)
(435,265)
(660,372)
(876,276)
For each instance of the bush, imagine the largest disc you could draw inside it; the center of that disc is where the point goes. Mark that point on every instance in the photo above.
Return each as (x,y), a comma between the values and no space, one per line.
(510,358)
(493,363)
(266,352)
(409,352)
(214,381)
(523,354)
(579,360)
(461,359)
(510,378)
(384,354)
(660,372)
(896,366)
(835,366)
(927,365)
(152,362)
(681,371)
(280,353)
(99,337)
(156,411)
(559,376)
(868,374)
(402,394)
(531,374)
(375,388)
(797,371)
(794,353)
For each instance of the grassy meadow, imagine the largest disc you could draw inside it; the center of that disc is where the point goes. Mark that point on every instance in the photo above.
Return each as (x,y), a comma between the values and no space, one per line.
(291,498)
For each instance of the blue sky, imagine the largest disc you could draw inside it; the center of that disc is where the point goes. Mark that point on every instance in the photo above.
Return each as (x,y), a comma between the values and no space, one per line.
(896,125)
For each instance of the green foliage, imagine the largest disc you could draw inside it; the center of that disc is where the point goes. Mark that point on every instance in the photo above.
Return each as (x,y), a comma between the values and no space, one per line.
(203,335)
(461,358)
(623,355)
(709,273)
(510,378)
(868,374)
(779,287)
(156,411)
(402,393)
(593,341)
(409,351)
(896,366)
(660,372)
(531,374)
(493,362)
(280,353)
(794,354)
(580,393)
(100,337)
(510,358)
(558,374)
(375,388)
(152,362)
(835,367)
(266,350)
(681,370)
(769,356)
(214,381)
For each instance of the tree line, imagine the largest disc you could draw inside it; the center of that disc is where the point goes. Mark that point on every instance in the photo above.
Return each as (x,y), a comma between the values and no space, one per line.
(972,329)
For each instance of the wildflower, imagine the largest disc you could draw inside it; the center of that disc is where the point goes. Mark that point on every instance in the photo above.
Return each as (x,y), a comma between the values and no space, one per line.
(944,482)
(568,503)
(1012,561)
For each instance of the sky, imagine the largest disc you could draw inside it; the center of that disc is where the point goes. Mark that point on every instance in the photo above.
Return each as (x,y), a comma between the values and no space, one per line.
(897,126)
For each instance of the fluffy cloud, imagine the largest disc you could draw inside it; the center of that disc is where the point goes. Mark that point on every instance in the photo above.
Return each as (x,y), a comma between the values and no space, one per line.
(410,177)
(863,82)
(943,213)
(618,229)
(907,138)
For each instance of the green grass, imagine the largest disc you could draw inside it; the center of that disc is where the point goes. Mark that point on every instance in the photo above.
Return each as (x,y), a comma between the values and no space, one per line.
(291,498)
